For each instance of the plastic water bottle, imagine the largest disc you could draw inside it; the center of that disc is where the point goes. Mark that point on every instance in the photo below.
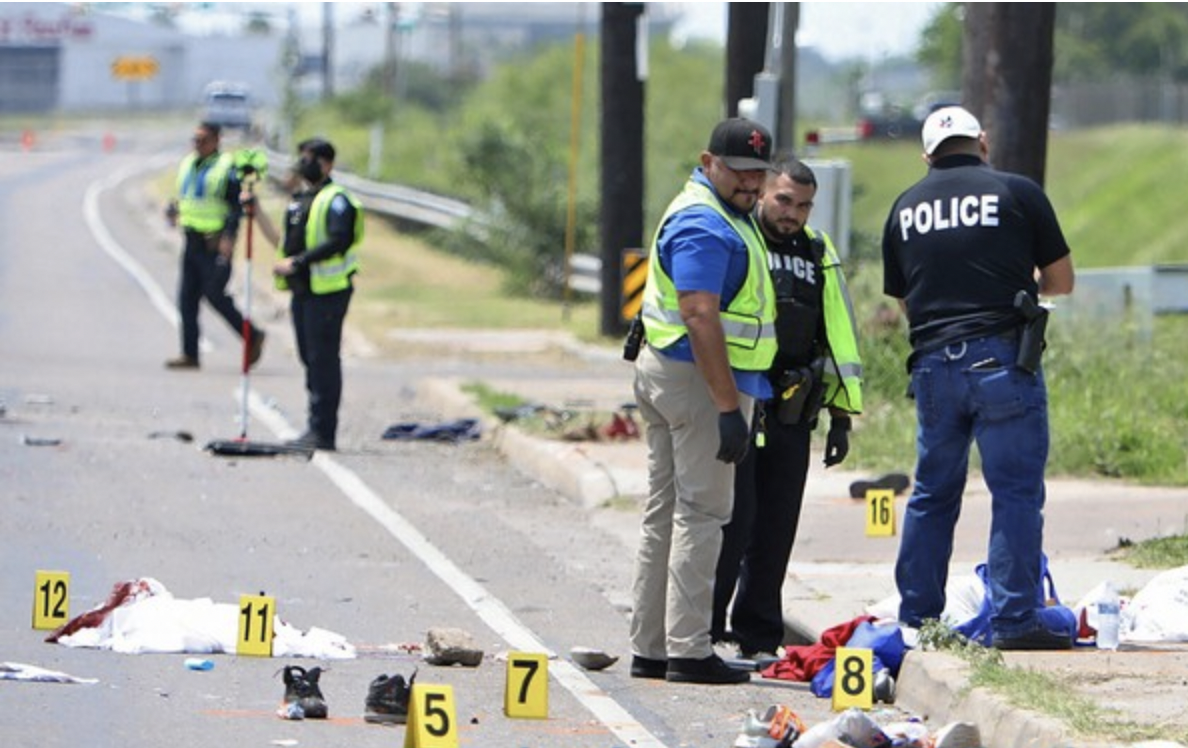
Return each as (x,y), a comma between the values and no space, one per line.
(1109,615)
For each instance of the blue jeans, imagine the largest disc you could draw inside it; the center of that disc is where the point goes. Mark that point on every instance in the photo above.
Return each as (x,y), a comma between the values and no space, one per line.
(966,392)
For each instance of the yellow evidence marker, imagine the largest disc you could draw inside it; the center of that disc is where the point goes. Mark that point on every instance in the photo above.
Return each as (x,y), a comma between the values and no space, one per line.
(880,512)
(431,722)
(51,599)
(853,678)
(256,616)
(527,692)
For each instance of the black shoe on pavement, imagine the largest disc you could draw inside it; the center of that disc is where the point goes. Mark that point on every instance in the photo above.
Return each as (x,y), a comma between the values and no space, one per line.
(303,697)
(710,670)
(310,440)
(897,482)
(645,667)
(1037,639)
(182,362)
(387,700)
(255,347)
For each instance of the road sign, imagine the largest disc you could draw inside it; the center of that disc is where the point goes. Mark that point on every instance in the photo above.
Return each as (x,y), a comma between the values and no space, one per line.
(134,68)
(635,274)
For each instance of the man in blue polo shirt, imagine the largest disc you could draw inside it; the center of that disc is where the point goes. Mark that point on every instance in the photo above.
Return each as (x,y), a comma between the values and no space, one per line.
(708,314)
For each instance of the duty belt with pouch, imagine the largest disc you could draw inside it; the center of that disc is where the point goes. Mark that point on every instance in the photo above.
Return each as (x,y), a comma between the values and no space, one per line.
(210,241)
(800,394)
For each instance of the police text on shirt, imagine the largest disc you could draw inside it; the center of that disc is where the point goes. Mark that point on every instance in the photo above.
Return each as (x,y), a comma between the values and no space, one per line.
(955,212)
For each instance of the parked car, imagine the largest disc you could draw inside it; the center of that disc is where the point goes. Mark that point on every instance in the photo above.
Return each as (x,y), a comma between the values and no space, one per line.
(228,105)
(890,122)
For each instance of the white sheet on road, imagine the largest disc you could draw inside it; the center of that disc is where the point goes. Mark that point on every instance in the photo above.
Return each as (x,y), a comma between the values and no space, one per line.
(151,620)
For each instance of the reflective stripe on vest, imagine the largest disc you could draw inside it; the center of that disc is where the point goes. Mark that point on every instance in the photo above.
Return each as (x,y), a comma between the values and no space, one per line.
(843,371)
(748,321)
(333,273)
(200,201)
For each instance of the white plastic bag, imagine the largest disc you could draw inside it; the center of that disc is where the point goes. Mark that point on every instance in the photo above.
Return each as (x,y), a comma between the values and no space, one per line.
(1159,612)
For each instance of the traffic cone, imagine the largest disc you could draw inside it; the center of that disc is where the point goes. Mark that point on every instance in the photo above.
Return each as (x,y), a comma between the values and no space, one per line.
(109,143)
(27,140)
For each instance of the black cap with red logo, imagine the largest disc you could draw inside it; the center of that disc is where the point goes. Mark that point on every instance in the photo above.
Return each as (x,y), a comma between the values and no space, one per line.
(742,144)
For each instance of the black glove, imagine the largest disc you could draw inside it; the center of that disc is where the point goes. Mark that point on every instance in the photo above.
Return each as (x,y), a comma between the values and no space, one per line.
(733,436)
(837,441)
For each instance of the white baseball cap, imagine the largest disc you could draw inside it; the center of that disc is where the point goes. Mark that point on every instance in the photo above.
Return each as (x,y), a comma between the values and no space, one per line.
(948,122)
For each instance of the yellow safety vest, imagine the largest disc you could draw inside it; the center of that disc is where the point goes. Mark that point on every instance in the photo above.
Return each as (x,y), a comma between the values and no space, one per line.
(843,370)
(748,320)
(200,193)
(333,273)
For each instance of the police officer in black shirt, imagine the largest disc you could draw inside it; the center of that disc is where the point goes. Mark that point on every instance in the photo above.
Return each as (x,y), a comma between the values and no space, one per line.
(958,247)
(816,366)
(317,261)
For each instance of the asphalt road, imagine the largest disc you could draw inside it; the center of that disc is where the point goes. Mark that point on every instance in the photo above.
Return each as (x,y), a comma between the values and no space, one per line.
(379,542)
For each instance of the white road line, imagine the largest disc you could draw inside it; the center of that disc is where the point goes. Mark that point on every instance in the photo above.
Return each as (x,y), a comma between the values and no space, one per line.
(493,612)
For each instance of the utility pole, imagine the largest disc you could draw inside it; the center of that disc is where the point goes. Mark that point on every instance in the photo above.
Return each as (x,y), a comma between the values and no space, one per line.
(455,44)
(746,44)
(393,14)
(1007,80)
(622,126)
(327,50)
(782,49)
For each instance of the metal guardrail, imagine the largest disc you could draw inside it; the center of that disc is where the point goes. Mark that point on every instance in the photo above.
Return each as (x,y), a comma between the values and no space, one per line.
(426,208)
(397,201)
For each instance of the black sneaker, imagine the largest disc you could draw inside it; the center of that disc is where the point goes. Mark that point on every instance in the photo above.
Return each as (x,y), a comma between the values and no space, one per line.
(303,697)
(387,699)
(182,362)
(1039,638)
(897,482)
(310,440)
(710,670)
(645,667)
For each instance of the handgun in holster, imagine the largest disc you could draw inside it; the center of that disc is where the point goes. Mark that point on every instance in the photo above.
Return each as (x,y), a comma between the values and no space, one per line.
(1031,340)
(799,394)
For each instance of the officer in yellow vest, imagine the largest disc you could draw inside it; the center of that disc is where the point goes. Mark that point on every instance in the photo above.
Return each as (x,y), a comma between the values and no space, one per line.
(207,208)
(316,261)
(709,318)
(817,367)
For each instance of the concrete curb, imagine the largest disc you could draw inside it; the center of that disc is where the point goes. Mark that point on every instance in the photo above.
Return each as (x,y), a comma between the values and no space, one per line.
(936,685)
(565,467)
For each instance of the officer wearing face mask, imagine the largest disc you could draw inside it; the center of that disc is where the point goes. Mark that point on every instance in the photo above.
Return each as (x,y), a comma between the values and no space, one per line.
(317,259)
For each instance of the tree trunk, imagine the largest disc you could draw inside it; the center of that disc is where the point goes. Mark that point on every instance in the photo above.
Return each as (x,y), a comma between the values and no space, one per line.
(1007,80)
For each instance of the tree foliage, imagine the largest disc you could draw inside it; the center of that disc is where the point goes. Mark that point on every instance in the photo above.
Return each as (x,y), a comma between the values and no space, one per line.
(1099,41)
(1093,41)
(940,46)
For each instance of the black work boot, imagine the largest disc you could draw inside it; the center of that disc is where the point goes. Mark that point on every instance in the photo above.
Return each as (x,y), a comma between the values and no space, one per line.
(710,670)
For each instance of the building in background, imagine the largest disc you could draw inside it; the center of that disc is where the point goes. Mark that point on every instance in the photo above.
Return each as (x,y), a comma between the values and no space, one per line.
(71,57)
(161,56)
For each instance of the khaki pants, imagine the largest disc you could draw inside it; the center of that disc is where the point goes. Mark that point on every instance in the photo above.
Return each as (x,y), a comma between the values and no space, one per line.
(690,498)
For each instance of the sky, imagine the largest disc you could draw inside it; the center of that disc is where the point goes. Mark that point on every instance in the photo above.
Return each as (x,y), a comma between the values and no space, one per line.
(838,31)
(868,31)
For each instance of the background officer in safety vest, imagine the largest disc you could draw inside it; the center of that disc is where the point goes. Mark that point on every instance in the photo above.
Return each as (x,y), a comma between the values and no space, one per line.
(817,366)
(709,317)
(316,261)
(207,207)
